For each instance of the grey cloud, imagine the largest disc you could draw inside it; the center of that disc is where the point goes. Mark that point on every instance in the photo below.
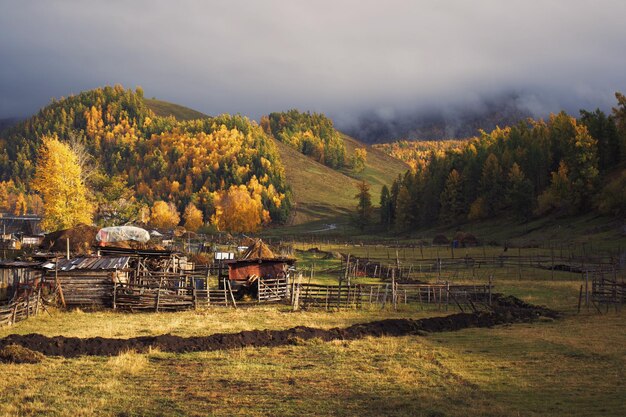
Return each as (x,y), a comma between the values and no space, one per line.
(338,57)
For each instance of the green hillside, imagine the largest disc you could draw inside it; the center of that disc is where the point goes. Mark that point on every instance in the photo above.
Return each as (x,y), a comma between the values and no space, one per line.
(380,168)
(163,109)
(324,195)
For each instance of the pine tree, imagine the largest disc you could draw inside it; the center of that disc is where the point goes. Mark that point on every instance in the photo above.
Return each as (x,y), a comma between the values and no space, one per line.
(451,198)
(364,205)
(519,193)
(491,186)
(58,180)
(386,207)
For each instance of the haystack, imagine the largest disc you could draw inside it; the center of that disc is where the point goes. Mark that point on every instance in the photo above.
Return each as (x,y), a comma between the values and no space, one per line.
(440,240)
(466,239)
(258,250)
(82,237)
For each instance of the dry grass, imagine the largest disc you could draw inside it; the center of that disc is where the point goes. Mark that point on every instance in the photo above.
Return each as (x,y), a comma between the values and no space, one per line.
(198,323)
(569,367)
(128,363)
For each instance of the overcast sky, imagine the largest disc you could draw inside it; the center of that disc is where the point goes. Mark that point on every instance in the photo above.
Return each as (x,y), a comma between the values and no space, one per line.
(338,57)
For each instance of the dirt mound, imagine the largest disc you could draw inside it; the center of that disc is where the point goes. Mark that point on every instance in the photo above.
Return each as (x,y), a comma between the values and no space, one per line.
(505,310)
(19,354)
(82,238)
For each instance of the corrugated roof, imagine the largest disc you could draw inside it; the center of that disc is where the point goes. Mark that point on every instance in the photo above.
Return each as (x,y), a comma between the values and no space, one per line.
(91,263)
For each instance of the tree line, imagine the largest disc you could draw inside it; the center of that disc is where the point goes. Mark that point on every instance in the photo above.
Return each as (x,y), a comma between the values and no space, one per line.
(562,166)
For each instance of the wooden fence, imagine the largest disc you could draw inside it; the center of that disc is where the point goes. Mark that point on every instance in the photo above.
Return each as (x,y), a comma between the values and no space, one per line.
(607,291)
(272,289)
(469,297)
(20,309)
(328,296)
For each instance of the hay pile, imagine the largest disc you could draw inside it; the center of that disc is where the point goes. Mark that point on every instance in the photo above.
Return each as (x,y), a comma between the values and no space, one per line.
(82,238)
(466,239)
(258,250)
(440,240)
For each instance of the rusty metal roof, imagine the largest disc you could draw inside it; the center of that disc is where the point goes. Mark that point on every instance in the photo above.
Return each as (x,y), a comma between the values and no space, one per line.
(91,263)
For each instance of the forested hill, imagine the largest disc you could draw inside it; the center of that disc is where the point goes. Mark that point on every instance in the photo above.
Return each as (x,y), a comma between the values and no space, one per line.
(562,166)
(311,134)
(140,157)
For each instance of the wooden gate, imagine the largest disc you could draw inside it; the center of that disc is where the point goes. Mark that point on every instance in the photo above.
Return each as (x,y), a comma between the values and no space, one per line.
(272,289)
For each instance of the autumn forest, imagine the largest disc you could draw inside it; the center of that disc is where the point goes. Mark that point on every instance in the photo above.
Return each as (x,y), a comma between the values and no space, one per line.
(104,157)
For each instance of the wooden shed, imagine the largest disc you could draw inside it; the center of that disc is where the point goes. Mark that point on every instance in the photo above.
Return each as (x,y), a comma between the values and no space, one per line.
(88,281)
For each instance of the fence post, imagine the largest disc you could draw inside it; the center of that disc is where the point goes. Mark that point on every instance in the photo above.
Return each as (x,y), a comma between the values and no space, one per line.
(114,295)
(587,290)
(490,279)
(296,295)
(158,297)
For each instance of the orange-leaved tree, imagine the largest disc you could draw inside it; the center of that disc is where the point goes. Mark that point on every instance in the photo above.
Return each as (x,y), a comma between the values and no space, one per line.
(58,180)
(236,210)
(164,215)
(193,217)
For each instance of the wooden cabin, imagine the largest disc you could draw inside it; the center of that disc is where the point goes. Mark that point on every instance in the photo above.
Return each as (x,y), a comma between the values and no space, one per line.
(88,281)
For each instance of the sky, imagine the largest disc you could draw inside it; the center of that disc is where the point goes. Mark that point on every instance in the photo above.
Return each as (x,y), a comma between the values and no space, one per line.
(340,57)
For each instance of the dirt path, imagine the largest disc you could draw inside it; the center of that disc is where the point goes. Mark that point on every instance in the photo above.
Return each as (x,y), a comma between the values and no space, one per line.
(507,310)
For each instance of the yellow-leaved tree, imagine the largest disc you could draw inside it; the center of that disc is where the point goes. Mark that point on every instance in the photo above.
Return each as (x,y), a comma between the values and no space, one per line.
(164,215)
(58,180)
(193,217)
(236,210)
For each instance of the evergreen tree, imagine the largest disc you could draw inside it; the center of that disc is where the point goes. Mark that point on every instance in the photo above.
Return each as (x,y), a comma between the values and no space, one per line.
(364,205)
(451,199)
(619,114)
(491,185)
(604,130)
(386,207)
(519,193)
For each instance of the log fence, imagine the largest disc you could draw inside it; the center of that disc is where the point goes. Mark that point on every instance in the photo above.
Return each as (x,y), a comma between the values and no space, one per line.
(21,308)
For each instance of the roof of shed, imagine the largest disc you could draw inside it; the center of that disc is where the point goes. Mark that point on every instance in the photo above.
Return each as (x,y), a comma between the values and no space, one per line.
(91,263)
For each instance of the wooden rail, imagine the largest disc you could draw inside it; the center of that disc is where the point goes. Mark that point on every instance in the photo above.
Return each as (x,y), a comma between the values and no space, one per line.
(20,309)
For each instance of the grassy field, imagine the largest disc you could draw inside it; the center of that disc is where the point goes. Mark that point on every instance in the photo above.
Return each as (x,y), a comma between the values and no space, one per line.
(571,366)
